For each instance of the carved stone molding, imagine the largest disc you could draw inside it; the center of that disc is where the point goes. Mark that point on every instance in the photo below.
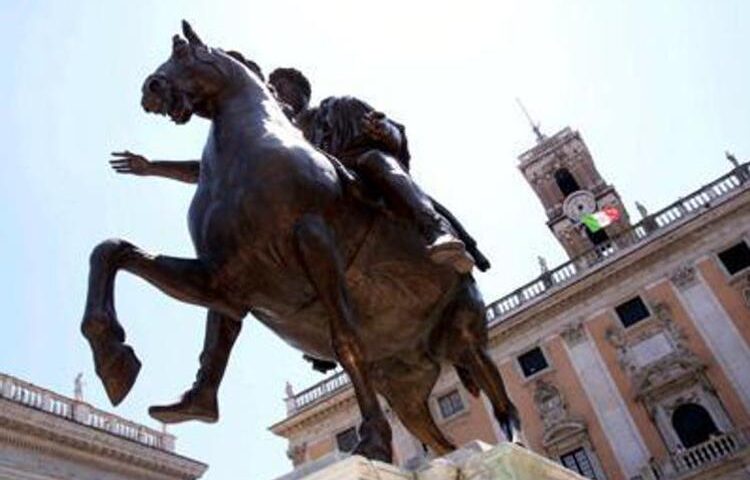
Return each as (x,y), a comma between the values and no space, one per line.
(297,453)
(549,403)
(742,285)
(684,276)
(574,334)
(560,428)
(656,355)
(32,430)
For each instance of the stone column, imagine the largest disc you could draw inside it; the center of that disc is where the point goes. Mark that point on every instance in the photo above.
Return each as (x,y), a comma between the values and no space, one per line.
(610,409)
(717,329)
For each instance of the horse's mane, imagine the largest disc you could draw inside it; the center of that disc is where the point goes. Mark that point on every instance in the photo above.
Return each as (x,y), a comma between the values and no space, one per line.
(228,64)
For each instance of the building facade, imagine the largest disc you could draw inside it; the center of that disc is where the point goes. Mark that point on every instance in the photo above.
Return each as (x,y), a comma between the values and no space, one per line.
(629,361)
(47,436)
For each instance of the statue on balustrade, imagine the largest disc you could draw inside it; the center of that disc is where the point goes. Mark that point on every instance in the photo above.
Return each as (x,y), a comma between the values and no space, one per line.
(308,219)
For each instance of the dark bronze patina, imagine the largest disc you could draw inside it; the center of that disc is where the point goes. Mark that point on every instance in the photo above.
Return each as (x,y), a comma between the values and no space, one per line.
(280,233)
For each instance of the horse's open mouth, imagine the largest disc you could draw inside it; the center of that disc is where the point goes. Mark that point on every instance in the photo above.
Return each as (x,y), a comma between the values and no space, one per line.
(161,98)
(180,111)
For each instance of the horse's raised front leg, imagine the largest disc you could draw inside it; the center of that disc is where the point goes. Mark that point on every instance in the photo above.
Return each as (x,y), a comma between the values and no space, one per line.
(184,279)
(322,262)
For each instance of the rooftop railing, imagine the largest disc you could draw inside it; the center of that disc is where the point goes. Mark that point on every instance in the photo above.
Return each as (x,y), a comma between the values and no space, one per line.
(38,398)
(321,389)
(652,226)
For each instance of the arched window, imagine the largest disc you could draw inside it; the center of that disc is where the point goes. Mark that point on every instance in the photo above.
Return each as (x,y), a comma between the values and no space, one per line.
(566,182)
(693,424)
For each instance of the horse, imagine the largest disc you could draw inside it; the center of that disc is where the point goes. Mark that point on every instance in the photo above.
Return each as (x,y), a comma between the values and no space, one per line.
(278,235)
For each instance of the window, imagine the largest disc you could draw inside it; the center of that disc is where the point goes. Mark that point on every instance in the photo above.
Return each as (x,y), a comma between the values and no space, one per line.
(693,424)
(347,440)
(735,258)
(450,404)
(532,362)
(566,182)
(579,462)
(632,311)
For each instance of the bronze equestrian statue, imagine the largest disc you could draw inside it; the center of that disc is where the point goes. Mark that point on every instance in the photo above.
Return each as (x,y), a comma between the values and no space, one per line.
(279,234)
(345,126)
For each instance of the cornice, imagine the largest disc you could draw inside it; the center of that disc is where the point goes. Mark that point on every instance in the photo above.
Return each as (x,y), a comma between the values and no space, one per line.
(313,414)
(36,430)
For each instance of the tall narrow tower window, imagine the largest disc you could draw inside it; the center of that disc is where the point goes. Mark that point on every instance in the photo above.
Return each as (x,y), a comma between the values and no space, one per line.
(598,237)
(566,182)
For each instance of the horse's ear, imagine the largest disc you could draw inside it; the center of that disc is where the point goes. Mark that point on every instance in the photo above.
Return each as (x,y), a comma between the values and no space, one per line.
(190,34)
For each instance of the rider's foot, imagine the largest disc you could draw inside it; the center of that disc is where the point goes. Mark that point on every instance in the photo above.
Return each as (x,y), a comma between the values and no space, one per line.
(196,404)
(448,250)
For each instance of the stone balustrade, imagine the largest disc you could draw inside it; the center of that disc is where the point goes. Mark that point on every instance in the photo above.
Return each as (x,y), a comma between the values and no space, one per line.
(320,390)
(24,393)
(654,225)
(708,453)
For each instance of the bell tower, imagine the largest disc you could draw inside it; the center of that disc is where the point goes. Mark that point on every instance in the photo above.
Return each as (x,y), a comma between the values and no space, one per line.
(562,173)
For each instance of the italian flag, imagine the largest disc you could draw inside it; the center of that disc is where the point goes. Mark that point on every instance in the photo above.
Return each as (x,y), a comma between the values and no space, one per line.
(598,220)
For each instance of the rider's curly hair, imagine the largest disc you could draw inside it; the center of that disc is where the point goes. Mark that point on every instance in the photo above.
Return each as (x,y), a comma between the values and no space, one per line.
(294,76)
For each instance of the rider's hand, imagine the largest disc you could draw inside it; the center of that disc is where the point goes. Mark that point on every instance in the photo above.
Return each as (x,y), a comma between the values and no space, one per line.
(128,162)
(376,126)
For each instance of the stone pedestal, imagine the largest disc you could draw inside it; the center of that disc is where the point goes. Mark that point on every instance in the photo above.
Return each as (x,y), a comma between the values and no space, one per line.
(475,461)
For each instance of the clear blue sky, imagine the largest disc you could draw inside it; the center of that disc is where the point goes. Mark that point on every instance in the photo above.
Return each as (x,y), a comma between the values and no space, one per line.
(658,90)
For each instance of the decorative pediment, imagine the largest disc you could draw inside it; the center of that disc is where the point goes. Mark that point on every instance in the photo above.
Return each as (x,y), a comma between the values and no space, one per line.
(655,354)
(669,372)
(562,432)
(559,426)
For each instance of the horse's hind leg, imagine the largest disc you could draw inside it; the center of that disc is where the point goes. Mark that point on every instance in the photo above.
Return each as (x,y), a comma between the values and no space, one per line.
(322,262)
(464,344)
(407,391)
(186,280)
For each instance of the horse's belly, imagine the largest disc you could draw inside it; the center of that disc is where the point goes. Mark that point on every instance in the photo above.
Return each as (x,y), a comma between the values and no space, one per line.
(396,307)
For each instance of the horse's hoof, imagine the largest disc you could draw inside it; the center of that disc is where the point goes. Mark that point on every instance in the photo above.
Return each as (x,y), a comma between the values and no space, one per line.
(510,423)
(374,450)
(194,405)
(119,373)
(375,440)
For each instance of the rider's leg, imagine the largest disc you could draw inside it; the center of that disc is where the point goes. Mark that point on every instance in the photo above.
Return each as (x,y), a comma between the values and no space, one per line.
(200,401)
(405,198)
(483,263)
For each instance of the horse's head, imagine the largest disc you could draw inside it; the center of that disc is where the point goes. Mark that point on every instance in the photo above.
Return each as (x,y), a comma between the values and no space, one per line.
(193,80)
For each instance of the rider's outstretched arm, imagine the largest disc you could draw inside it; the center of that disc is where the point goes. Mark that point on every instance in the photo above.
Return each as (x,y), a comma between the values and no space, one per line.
(128,162)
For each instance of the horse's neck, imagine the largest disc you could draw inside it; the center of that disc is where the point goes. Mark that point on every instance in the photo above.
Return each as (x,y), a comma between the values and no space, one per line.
(239,123)
(246,111)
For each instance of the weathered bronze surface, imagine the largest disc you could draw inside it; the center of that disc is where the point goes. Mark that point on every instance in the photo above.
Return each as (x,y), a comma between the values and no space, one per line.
(285,232)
